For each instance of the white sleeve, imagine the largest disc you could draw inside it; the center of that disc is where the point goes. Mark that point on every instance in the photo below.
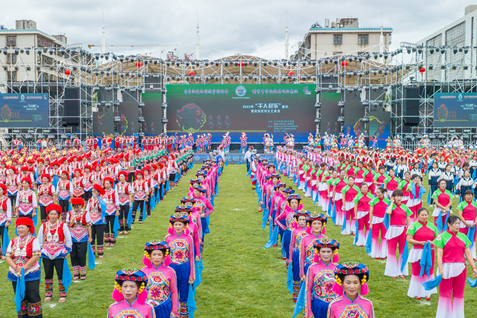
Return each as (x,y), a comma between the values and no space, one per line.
(17,202)
(36,245)
(35,202)
(40,235)
(9,210)
(66,232)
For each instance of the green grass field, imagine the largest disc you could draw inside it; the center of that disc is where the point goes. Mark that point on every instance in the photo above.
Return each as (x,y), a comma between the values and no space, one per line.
(241,278)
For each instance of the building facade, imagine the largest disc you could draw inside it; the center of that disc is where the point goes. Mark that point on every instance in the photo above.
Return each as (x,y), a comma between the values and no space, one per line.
(341,38)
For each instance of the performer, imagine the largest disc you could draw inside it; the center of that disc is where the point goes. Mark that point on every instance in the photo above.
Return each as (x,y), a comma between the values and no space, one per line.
(399,215)
(418,234)
(97,216)
(443,200)
(351,285)
(126,197)
(24,252)
(452,246)
(47,195)
(79,222)
(298,233)
(26,203)
(182,258)
(467,211)
(130,295)
(161,280)
(320,278)
(55,240)
(111,199)
(361,213)
(316,225)
(378,229)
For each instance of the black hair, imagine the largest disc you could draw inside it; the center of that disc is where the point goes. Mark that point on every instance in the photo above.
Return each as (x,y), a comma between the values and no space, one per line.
(420,210)
(381,189)
(414,176)
(397,193)
(468,192)
(138,284)
(452,219)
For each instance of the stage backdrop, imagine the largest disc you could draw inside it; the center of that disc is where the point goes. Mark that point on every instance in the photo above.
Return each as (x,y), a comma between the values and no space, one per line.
(330,111)
(378,118)
(457,110)
(252,108)
(128,112)
(24,110)
(103,123)
(152,113)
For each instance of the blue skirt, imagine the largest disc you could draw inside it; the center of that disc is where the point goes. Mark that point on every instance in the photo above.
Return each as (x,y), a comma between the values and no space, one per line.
(182,273)
(164,310)
(286,243)
(296,265)
(319,308)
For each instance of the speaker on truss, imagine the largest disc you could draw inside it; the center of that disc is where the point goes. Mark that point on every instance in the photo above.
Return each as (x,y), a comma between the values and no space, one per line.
(411,106)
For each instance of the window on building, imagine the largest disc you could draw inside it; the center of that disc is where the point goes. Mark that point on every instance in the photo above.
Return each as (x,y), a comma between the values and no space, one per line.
(338,39)
(363,39)
(11,59)
(47,60)
(337,53)
(12,76)
(11,40)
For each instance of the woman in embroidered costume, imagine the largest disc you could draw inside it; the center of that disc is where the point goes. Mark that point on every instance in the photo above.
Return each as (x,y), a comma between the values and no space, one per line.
(110,196)
(377,226)
(399,221)
(182,258)
(316,227)
(418,234)
(125,196)
(79,223)
(351,285)
(97,215)
(46,195)
(130,295)
(26,203)
(162,280)
(55,240)
(141,191)
(206,209)
(192,228)
(285,210)
(320,278)
(64,192)
(23,252)
(299,232)
(452,247)
(5,214)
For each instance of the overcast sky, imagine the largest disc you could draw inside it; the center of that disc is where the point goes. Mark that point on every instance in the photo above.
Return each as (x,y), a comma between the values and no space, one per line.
(253,27)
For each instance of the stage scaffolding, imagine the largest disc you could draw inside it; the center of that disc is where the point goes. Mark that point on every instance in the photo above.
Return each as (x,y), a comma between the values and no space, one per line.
(106,79)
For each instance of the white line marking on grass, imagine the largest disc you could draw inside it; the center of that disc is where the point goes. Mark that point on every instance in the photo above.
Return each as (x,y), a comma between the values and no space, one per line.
(237,209)
(424,302)
(52,305)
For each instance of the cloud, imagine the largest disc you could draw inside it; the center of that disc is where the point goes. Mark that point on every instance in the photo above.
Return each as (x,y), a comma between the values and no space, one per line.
(226,27)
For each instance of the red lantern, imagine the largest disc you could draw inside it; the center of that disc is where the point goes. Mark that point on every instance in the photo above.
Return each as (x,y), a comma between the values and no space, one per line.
(191,73)
(241,63)
(422,70)
(291,73)
(68,72)
(139,64)
(344,63)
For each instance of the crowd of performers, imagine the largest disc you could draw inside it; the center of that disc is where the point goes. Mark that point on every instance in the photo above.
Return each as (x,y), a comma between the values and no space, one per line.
(375,195)
(80,200)
(166,286)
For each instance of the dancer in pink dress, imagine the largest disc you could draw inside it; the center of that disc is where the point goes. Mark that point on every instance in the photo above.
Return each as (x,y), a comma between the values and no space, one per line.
(351,285)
